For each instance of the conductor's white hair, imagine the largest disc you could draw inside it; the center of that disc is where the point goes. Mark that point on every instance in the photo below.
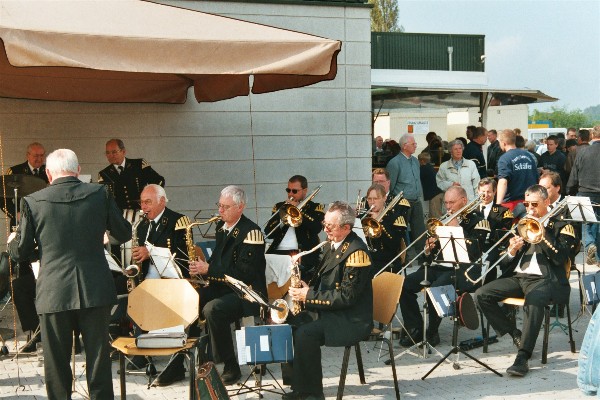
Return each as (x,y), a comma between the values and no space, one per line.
(62,161)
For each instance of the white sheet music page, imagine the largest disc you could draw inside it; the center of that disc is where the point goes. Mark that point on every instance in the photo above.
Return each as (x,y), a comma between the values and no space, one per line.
(164,261)
(445,233)
(583,213)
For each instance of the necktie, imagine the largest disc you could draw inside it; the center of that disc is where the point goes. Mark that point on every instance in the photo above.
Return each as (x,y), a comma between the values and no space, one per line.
(36,172)
(120,169)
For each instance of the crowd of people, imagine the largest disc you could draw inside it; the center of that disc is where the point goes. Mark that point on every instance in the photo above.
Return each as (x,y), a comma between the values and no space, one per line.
(482,195)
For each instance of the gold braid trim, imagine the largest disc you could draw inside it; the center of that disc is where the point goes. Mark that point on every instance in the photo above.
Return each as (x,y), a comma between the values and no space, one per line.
(568,230)
(404,203)
(145,164)
(508,214)
(483,225)
(182,223)
(254,237)
(358,259)
(400,221)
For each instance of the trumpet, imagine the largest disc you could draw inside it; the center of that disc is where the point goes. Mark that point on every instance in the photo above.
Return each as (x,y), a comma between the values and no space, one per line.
(531,229)
(432,224)
(372,226)
(291,215)
(196,280)
(361,204)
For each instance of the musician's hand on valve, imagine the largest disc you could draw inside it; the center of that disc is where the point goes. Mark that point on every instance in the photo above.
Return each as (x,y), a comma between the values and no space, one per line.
(140,254)
(514,245)
(198,267)
(299,294)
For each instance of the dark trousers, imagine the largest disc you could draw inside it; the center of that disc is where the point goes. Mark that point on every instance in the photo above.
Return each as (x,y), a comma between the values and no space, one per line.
(537,292)
(219,314)
(416,220)
(57,331)
(24,300)
(308,372)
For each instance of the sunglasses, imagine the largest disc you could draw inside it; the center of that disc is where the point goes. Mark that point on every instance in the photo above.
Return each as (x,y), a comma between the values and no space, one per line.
(530,203)
(294,191)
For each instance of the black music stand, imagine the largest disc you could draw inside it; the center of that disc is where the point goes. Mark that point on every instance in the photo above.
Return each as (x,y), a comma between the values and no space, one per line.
(258,369)
(455,260)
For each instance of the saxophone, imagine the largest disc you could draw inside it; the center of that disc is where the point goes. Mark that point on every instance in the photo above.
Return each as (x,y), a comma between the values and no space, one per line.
(133,270)
(282,307)
(196,280)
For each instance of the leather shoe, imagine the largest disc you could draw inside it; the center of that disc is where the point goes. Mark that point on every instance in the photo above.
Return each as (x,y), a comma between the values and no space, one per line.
(516,337)
(520,367)
(231,373)
(302,396)
(137,363)
(30,347)
(433,338)
(171,374)
(414,336)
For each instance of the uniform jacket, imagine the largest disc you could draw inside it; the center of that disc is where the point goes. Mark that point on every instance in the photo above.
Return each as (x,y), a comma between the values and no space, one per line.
(552,253)
(18,170)
(307,233)
(169,233)
(342,294)
(241,255)
(128,185)
(500,219)
(67,221)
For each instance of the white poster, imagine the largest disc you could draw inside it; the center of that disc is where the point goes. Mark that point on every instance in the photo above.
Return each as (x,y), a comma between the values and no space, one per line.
(415,126)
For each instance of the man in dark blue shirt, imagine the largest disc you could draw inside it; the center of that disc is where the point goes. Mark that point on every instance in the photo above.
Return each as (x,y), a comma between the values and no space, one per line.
(474,150)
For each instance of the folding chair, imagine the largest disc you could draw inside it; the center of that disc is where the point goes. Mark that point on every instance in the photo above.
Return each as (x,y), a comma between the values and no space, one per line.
(156,304)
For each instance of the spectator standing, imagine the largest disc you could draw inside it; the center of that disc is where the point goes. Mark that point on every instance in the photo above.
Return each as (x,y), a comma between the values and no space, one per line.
(493,153)
(431,192)
(582,141)
(474,150)
(458,172)
(553,159)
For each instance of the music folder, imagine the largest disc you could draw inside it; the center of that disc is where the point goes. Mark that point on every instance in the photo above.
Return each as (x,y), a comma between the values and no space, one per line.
(442,298)
(590,284)
(162,338)
(265,344)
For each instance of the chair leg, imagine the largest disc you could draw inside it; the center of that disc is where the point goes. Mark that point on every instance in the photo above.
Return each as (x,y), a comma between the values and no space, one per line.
(571,341)
(359,363)
(546,334)
(340,393)
(122,376)
(393,364)
(484,332)
(192,364)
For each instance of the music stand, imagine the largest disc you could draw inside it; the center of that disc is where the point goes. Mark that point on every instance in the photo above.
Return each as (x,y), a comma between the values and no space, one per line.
(454,251)
(258,370)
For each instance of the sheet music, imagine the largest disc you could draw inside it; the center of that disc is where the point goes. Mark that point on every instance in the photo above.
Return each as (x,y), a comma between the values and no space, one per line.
(358,229)
(444,233)
(164,261)
(240,340)
(587,215)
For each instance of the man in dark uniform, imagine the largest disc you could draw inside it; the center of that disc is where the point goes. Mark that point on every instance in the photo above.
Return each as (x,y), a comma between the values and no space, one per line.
(500,219)
(67,222)
(290,240)
(387,245)
(441,273)
(539,276)
(127,177)
(240,253)
(340,299)
(24,284)
(163,228)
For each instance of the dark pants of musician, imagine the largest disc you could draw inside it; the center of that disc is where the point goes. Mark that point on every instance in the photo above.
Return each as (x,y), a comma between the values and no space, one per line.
(219,314)
(537,292)
(308,372)
(438,276)
(57,333)
(24,299)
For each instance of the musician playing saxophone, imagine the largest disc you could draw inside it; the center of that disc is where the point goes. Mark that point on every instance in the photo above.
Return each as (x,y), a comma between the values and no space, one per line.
(290,240)
(239,253)
(164,228)
(388,244)
(439,273)
(340,294)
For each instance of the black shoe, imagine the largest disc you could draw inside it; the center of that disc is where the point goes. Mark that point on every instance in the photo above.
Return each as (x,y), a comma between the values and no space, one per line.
(231,373)
(291,396)
(31,346)
(520,367)
(516,337)
(173,373)
(413,337)
(433,338)
(302,396)
(137,363)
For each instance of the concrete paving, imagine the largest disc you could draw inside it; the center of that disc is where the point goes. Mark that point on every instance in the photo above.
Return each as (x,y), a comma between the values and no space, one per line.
(24,378)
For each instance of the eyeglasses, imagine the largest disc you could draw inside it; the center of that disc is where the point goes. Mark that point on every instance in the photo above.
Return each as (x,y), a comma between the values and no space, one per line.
(223,206)
(113,152)
(329,226)
(530,203)
(294,191)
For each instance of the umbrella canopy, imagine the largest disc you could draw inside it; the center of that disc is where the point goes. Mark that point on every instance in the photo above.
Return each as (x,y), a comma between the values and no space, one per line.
(138,51)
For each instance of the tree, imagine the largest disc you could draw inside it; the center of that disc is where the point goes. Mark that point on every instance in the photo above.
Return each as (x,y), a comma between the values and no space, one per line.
(384,16)
(561,117)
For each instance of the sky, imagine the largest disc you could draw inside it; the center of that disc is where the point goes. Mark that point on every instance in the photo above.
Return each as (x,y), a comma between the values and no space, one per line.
(551,46)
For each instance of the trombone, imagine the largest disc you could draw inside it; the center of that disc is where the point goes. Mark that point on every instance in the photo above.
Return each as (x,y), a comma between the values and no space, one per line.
(432,224)
(372,226)
(291,215)
(531,229)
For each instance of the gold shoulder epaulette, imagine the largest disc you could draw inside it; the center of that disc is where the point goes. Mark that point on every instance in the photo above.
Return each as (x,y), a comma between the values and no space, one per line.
(254,237)
(404,203)
(400,221)
(568,230)
(320,208)
(9,171)
(508,214)
(358,259)
(145,164)
(484,224)
(182,223)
